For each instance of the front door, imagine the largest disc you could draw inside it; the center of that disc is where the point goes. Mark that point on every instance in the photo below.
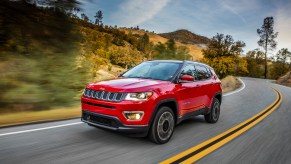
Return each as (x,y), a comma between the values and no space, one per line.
(189,92)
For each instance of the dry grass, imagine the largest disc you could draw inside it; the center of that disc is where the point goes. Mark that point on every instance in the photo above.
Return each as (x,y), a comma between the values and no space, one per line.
(230,83)
(285,80)
(39,116)
(106,72)
(195,51)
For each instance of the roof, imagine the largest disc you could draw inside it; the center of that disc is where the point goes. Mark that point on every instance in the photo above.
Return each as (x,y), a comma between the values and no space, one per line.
(180,61)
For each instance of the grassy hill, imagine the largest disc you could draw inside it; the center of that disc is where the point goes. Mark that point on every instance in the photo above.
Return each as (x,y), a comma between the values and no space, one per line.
(194,50)
(186,37)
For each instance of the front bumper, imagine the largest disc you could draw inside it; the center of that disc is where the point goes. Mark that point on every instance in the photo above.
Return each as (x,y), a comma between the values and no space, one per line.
(111,123)
(116,109)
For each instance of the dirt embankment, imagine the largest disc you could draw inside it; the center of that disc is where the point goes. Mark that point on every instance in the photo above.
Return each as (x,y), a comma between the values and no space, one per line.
(285,80)
(230,83)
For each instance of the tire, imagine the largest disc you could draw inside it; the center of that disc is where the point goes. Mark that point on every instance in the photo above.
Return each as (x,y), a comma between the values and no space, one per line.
(213,115)
(163,125)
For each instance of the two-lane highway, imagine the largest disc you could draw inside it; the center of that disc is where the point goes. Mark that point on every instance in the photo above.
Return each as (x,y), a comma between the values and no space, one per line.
(73,142)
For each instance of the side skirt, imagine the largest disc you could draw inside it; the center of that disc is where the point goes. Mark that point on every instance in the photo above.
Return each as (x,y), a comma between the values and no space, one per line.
(193,114)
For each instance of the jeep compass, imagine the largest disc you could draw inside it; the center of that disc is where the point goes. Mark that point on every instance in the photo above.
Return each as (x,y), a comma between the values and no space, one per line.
(153,97)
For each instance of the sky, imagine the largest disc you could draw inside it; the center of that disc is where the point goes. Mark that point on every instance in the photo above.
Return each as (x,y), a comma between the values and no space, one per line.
(239,18)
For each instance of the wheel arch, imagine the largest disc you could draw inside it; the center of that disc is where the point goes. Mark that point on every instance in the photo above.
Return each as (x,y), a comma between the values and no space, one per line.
(217,95)
(169,102)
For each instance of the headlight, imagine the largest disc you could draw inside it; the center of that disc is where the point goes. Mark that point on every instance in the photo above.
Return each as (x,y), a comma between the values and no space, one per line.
(138,96)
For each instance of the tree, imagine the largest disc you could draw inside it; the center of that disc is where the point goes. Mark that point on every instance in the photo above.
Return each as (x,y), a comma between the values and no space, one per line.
(99,17)
(223,54)
(283,55)
(223,45)
(76,10)
(84,17)
(255,60)
(267,38)
(280,66)
(169,50)
(171,47)
(160,51)
(182,53)
(144,43)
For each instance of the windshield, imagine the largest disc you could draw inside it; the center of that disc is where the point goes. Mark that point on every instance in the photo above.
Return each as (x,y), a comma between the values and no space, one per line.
(153,70)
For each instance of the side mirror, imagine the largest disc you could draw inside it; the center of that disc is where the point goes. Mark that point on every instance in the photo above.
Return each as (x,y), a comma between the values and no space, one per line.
(187,78)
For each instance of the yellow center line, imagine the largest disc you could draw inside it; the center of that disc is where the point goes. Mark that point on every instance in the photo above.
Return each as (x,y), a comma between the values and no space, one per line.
(214,143)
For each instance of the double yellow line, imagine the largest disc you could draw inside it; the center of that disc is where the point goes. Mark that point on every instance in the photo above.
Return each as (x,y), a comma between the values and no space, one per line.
(197,152)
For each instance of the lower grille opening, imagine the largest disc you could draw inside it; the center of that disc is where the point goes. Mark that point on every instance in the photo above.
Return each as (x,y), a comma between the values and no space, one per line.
(99,105)
(100,120)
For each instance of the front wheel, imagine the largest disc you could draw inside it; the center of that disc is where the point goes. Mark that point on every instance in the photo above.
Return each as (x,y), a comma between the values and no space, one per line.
(163,126)
(213,116)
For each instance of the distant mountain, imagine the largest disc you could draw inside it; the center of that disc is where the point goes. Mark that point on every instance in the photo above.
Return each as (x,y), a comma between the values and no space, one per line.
(185,36)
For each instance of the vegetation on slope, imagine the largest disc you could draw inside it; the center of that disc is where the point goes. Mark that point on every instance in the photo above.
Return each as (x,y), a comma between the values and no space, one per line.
(37,58)
(48,54)
(194,50)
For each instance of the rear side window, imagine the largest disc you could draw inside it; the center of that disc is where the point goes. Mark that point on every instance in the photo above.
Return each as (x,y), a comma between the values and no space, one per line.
(202,72)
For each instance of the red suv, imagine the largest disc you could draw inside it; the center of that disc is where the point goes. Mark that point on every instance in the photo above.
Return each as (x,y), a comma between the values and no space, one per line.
(153,97)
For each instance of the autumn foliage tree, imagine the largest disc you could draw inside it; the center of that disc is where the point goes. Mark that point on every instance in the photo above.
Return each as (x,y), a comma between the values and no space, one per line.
(170,50)
(223,54)
(255,60)
(281,66)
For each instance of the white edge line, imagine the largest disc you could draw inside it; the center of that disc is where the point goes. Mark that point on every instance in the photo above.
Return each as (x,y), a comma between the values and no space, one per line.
(233,92)
(39,129)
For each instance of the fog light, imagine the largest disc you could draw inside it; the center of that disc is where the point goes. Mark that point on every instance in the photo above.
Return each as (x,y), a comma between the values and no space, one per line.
(133,115)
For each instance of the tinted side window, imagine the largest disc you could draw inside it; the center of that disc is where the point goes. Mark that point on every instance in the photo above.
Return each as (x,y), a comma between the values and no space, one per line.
(188,70)
(202,72)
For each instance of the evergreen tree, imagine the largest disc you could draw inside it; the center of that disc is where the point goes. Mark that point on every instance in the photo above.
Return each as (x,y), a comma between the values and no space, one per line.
(267,38)
(99,17)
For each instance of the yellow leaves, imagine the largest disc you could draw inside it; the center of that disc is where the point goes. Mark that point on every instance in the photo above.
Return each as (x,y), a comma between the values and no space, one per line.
(227,65)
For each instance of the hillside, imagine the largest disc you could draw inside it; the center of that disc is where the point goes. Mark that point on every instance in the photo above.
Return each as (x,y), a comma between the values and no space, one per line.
(285,80)
(194,50)
(48,55)
(186,37)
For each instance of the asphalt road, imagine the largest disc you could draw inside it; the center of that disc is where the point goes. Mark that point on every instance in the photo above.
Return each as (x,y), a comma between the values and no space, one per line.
(75,142)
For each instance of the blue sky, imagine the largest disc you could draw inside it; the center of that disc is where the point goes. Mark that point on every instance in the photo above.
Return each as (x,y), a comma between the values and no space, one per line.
(239,18)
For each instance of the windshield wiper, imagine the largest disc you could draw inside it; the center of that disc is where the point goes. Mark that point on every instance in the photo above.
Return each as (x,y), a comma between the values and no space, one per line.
(140,77)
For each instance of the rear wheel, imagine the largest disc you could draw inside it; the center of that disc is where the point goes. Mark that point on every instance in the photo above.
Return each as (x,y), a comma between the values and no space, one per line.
(213,115)
(162,126)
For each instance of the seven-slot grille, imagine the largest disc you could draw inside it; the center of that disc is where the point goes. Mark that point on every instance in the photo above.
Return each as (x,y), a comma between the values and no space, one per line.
(104,95)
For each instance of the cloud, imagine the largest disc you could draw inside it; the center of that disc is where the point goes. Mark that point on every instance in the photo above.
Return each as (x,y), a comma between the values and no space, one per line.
(238,7)
(135,12)
(283,26)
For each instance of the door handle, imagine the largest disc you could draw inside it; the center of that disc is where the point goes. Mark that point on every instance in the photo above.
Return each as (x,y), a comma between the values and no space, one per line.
(198,85)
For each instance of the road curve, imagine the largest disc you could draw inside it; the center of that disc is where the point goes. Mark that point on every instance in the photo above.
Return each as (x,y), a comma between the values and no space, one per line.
(73,142)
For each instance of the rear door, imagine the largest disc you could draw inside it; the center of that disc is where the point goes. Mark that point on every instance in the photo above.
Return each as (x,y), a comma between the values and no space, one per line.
(204,78)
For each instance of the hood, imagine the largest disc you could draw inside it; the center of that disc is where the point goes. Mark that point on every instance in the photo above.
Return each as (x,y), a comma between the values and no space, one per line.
(127,84)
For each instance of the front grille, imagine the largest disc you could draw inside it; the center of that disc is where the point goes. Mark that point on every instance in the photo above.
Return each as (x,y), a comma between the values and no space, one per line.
(99,120)
(104,95)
